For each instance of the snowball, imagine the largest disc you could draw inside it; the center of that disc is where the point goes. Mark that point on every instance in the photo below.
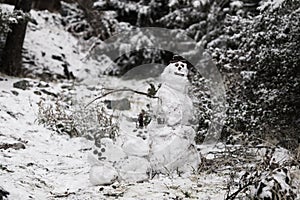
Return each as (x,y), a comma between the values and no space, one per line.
(113,153)
(133,169)
(136,146)
(102,174)
(176,151)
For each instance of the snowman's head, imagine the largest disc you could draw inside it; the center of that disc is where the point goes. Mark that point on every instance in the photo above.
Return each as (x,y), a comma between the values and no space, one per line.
(176,70)
(176,73)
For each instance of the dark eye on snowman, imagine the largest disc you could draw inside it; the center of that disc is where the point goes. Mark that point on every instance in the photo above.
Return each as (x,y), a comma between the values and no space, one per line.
(182,65)
(176,65)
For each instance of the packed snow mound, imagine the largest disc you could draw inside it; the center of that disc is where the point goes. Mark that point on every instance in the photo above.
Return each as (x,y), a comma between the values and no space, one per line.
(102,174)
(165,146)
(173,149)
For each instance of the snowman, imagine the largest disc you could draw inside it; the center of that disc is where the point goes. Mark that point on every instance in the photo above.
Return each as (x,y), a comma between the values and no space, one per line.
(169,143)
(172,145)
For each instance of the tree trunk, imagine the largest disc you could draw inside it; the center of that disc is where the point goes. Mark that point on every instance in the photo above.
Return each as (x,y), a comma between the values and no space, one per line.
(12,52)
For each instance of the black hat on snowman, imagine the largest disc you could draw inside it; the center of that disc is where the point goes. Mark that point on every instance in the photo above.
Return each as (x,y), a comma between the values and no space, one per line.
(178,58)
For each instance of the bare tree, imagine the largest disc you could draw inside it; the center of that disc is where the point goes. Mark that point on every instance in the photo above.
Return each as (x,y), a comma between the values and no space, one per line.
(12,53)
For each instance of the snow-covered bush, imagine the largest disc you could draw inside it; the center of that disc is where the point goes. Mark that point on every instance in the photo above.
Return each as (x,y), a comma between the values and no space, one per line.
(202,103)
(94,122)
(57,117)
(75,22)
(76,120)
(259,65)
(202,21)
(267,178)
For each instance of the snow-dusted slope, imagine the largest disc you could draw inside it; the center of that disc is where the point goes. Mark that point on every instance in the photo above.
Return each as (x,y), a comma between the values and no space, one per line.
(52,48)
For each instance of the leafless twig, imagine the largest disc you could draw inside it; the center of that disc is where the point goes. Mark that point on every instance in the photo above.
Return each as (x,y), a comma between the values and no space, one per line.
(121,90)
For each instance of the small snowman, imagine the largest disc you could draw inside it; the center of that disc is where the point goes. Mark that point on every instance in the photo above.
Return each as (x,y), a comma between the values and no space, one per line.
(171,135)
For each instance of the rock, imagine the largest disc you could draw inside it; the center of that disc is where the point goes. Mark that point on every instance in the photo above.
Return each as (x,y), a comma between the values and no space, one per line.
(15,93)
(3,193)
(37,93)
(49,93)
(103,175)
(24,84)
(43,85)
(15,146)
(122,104)
(56,57)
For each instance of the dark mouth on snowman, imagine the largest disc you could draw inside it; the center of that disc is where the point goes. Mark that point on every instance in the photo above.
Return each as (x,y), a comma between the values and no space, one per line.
(178,74)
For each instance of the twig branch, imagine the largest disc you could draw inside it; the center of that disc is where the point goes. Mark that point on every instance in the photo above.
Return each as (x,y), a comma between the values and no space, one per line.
(233,195)
(66,194)
(121,90)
